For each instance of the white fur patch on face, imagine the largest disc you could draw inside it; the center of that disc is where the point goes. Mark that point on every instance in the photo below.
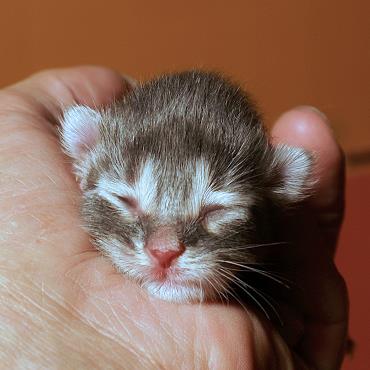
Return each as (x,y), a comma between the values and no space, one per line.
(222,198)
(110,190)
(173,292)
(203,196)
(215,221)
(79,129)
(143,191)
(146,186)
(200,186)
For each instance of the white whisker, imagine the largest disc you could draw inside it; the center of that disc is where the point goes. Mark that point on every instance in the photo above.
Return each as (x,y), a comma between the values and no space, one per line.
(247,267)
(231,278)
(242,284)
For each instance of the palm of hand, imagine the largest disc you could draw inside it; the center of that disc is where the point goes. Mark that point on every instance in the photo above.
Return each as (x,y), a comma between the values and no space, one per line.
(67,305)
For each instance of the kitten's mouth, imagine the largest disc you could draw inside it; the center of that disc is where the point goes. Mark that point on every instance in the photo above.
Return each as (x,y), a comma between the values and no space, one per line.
(163,275)
(175,276)
(172,284)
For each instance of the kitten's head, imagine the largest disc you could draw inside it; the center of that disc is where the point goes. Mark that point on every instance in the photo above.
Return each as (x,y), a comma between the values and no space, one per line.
(178,214)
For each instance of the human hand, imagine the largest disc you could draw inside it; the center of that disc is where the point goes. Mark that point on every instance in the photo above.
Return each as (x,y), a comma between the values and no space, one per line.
(63,305)
(320,302)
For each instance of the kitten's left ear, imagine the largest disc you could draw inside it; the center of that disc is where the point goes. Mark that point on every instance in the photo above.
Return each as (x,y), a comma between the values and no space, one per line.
(80,130)
(290,172)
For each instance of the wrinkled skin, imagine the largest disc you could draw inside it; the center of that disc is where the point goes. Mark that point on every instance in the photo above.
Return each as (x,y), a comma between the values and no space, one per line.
(64,306)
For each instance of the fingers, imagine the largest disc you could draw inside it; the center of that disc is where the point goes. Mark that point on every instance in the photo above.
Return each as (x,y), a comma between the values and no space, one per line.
(308,128)
(53,90)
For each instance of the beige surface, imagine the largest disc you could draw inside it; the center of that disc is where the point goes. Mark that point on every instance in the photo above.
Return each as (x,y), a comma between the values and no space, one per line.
(285,52)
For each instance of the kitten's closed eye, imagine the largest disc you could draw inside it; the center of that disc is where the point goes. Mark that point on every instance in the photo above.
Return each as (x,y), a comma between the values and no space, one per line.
(215,216)
(214,211)
(213,208)
(129,203)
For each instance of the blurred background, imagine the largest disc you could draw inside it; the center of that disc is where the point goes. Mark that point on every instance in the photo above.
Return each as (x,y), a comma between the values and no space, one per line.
(284,52)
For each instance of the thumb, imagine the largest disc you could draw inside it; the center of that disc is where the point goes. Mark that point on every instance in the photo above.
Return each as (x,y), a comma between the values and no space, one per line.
(308,128)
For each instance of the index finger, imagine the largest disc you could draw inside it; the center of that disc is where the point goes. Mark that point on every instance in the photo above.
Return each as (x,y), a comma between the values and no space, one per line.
(50,91)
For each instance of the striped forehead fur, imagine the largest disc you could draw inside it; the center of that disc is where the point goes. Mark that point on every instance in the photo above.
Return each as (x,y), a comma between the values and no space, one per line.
(166,200)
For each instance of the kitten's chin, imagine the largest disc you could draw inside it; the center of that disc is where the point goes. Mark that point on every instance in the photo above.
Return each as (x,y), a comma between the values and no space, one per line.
(180,292)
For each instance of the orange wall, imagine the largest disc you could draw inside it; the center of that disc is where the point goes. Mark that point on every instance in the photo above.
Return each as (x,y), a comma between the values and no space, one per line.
(286,52)
(353,261)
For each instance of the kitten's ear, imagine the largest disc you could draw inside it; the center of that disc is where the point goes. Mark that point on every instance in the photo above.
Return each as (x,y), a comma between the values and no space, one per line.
(80,130)
(290,171)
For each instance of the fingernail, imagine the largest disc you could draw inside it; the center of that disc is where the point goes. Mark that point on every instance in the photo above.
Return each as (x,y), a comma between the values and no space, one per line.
(310,108)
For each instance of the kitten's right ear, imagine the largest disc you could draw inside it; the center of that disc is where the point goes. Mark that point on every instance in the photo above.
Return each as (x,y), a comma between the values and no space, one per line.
(80,130)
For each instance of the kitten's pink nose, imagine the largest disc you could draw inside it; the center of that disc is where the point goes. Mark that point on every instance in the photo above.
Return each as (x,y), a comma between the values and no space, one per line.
(165,257)
(163,246)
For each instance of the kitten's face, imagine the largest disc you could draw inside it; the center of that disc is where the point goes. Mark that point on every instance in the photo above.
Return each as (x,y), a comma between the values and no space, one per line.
(178,233)
(176,179)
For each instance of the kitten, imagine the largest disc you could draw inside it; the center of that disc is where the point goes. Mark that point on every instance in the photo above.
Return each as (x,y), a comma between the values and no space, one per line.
(179,182)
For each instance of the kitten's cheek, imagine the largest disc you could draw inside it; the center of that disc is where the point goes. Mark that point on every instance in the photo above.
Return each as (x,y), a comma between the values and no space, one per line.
(82,184)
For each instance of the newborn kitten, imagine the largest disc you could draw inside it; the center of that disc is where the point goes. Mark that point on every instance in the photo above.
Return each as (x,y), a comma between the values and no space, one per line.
(180,183)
